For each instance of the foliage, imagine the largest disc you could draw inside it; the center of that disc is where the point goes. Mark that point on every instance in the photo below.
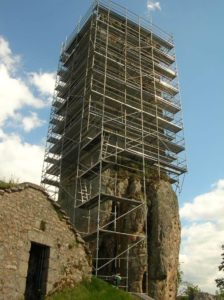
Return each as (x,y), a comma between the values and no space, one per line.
(7,184)
(189,292)
(180,274)
(220,294)
(220,281)
(94,290)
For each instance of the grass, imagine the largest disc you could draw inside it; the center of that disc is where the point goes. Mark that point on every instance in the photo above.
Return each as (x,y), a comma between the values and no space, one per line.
(7,184)
(95,290)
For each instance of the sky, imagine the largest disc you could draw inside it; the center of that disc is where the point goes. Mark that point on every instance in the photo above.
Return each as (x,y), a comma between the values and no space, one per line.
(31,33)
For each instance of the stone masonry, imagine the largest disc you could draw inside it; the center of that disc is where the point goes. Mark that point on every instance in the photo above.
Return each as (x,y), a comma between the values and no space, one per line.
(28,215)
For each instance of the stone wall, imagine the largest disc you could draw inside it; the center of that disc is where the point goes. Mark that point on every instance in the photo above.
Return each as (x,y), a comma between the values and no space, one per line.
(28,215)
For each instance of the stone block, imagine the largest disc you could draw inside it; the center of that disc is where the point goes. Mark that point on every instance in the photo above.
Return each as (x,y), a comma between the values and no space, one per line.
(11,267)
(23,267)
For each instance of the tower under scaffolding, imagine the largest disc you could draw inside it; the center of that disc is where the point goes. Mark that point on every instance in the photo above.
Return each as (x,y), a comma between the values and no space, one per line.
(115,119)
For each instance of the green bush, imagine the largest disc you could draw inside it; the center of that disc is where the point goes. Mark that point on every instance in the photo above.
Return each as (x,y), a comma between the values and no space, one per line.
(94,290)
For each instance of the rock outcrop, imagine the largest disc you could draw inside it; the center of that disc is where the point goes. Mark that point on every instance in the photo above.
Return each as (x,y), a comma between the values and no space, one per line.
(132,223)
(160,209)
(163,241)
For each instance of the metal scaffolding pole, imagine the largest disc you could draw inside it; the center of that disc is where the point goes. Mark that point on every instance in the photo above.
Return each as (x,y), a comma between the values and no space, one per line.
(116,110)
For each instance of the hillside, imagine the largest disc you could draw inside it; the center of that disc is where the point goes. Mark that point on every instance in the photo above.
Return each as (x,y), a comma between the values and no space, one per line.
(94,290)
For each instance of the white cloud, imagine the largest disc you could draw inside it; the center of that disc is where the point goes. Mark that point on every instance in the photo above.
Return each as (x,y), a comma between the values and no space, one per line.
(14,95)
(19,159)
(202,237)
(44,82)
(152,5)
(6,56)
(31,122)
(209,206)
(20,102)
(15,90)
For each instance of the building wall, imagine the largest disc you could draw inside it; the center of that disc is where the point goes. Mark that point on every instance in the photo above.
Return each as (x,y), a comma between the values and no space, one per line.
(28,215)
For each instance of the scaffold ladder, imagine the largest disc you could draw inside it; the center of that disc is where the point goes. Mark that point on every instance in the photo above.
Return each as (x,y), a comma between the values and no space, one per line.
(106,140)
(84,192)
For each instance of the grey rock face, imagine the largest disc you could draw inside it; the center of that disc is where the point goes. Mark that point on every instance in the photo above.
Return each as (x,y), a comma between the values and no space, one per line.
(163,230)
(163,241)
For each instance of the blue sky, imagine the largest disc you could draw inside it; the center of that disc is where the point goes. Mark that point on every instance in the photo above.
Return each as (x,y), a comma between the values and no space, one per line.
(34,30)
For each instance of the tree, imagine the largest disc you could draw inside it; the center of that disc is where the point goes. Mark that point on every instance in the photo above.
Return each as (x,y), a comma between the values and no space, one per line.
(191,291)
(220,294)
(220,281)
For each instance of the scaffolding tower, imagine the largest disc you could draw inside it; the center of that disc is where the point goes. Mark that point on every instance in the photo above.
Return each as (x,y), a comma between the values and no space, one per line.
(116,112)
